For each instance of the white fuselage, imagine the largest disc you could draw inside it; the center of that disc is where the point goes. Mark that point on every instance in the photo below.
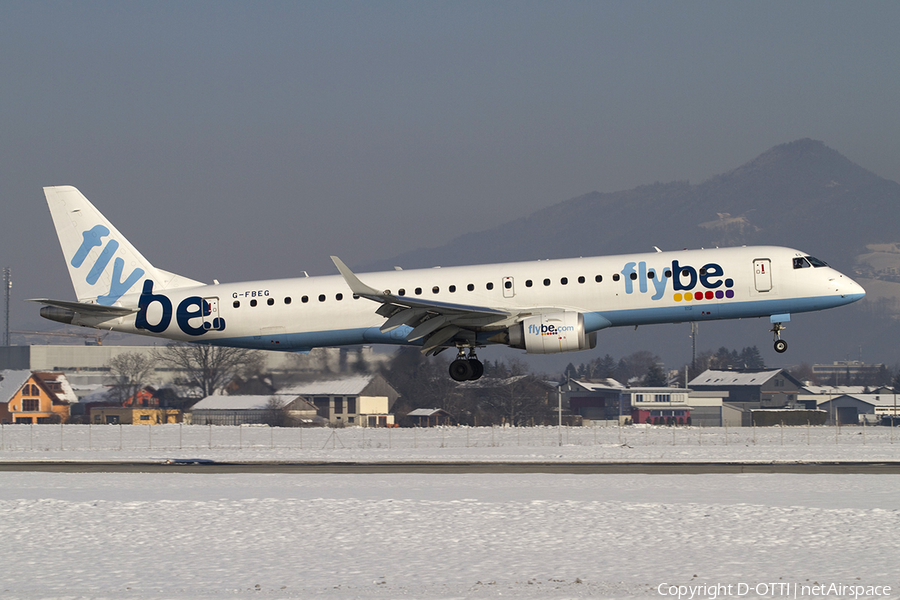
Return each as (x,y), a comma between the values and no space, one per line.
(626,290)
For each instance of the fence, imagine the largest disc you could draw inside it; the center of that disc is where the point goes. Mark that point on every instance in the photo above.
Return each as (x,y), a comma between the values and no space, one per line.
(196,437)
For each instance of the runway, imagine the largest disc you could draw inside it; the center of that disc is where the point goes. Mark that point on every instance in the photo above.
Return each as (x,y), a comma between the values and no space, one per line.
(456,467)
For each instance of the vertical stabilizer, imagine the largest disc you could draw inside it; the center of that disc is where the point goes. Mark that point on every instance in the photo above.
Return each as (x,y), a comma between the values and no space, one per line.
(103,265)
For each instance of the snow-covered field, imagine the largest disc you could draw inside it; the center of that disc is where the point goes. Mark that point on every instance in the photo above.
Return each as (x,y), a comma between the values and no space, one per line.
(182,536)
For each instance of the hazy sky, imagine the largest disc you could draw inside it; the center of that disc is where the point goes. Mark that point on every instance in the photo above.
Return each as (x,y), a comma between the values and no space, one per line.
(239,140)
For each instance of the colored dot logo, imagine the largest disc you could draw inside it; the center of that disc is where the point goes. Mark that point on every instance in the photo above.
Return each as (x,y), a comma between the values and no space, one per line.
(707,295)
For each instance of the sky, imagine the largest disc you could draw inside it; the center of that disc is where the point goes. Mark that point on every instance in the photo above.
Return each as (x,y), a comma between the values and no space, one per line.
(251,140)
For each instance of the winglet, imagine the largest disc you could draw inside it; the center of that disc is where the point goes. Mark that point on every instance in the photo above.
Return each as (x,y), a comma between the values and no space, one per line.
(356,286)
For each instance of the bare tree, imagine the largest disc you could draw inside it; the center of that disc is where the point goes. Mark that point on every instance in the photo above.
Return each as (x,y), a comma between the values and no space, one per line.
(210,368)
(277,412)
(131,372)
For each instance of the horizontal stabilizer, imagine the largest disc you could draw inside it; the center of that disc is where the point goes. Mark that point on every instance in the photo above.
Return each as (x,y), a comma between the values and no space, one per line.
(87,308)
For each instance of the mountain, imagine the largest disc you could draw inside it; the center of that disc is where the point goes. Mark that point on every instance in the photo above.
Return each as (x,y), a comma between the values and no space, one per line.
(802,194)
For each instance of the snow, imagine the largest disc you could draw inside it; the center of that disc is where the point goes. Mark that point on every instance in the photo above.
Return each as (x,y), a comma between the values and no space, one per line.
(438,537)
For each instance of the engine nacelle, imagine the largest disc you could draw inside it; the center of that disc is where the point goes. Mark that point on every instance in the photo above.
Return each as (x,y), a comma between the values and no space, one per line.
(552,333)
(55,313)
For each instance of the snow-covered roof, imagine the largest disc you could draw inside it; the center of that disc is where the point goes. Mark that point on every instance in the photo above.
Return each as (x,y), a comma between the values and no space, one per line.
(217,402)
(600,385)
(66,392)
(347,386)
(425,412)
(873,399)
(713,377)
(835,389)
(11,381)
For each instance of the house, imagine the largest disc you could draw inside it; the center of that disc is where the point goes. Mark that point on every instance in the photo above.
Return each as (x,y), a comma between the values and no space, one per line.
(274,410)
(772,388)
(595,400)
(34,397)
(853,409)
(362,400)
(132,415)
(658,406)
(428,417)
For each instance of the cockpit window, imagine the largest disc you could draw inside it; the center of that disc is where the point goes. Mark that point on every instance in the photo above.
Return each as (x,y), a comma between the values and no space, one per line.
(816,262)
(808,261)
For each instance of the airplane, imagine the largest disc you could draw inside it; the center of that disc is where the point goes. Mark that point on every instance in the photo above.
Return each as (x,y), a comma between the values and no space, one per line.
(542,307)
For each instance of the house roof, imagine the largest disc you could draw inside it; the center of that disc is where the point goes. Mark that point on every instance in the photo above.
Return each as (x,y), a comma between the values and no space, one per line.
(426,412)
(347,386)
(65,392)
(599,385)
(218,402)
(733,378)
(11,381)
(873,399)
(835,390)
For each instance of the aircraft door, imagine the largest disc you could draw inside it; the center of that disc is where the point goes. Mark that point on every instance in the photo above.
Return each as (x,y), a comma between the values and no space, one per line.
(212,320)
(509,287)
(762,269)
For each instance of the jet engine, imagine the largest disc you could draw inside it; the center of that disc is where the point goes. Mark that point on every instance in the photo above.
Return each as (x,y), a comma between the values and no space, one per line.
(552,333)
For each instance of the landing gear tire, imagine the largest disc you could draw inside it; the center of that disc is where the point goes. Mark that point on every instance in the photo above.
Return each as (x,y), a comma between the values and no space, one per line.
(461,369)
(477,368)
(780,344)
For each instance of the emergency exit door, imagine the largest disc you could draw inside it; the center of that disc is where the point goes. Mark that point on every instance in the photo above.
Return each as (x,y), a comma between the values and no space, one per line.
(762,269)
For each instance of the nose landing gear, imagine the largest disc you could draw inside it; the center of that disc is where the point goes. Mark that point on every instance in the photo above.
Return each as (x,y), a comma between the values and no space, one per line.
(466,368)
(780,344)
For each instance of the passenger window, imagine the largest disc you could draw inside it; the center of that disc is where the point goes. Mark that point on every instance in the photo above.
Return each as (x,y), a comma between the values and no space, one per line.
(401,292)
(546,282)
(564,281)
(651,275)
(598,278)
(237,303)
(581,279)
(287,300)
(633,276)
(471,287)
(435,290)
(418,291)
(668,273)
(452,289)
(321,297)
(253,302)
(339,297)
(271,301)
(489,286)
(527,283)
(616,277)
(304,299)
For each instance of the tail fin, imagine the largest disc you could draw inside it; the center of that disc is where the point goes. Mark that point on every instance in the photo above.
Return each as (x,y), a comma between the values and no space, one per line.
(103,265)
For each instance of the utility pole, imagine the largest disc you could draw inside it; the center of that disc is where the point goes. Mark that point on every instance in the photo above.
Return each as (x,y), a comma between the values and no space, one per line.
(7,284)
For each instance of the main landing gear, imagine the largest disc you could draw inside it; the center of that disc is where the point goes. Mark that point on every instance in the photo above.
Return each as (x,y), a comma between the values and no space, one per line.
(466,368)
(780,344)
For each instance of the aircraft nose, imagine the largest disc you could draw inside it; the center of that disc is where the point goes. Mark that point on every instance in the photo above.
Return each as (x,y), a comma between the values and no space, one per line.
(850,290)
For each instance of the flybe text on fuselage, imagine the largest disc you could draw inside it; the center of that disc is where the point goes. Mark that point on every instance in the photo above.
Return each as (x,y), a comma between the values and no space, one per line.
(685,280)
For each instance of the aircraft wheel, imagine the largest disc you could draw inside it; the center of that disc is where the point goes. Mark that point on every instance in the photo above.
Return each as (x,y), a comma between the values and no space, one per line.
(477,369)
(780,346)
(461,370)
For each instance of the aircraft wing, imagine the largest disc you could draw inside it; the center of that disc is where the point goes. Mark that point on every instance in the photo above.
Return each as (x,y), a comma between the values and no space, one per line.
(439,323)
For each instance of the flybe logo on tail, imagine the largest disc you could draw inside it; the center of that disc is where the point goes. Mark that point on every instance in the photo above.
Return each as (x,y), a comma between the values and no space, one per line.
(706,283)
(93,238)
